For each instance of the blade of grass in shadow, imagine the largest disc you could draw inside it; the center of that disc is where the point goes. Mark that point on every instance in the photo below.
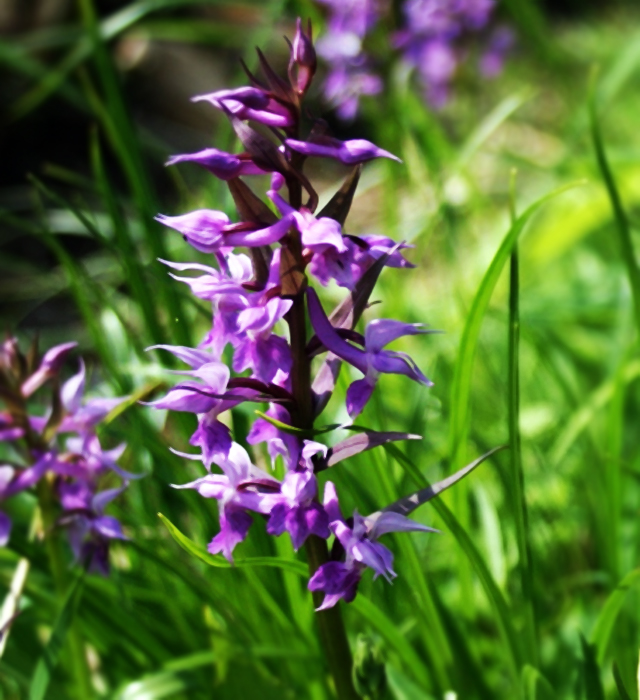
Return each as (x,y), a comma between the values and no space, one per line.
(51,654)
(591,672)
(120,131)
(621,221)
(622,691)
(394,637)
(501,610)
(609,614)
(128,255)
(518,498)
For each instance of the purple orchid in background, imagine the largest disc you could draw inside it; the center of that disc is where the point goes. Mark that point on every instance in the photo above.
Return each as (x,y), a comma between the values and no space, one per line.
(62,447)
(255,295)
(433,41)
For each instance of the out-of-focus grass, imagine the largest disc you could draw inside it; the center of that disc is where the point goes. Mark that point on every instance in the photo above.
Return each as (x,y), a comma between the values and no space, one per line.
(470,611)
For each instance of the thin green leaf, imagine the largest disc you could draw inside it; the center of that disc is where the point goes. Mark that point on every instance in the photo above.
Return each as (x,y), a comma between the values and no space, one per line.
(220,562)
(535,686)
(620,216)
(51,654)
(609,614)
(622,691)
(591,672)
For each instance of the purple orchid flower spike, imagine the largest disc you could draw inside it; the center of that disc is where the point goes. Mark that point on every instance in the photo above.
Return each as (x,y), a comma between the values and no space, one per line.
(350,152)
(242,487)
(373,360)
(224,166)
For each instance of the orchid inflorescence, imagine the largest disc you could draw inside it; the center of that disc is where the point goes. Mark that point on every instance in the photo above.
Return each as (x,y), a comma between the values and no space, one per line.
(251,295)
(433,41)
(61,449)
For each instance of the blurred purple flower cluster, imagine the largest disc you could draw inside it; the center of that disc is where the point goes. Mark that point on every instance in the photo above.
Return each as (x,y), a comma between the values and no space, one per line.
(433,41)
(254,295)
(351,74)
(60,448)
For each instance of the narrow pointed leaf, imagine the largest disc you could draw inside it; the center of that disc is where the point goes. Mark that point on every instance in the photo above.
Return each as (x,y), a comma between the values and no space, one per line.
(51,654)
(622,691)
(338,206)
(408,504)
(220,562)
(591,672)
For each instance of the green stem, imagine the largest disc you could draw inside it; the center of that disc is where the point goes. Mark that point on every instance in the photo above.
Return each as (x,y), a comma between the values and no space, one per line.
(620,216)
(76,659)
(515,461)
(333,636)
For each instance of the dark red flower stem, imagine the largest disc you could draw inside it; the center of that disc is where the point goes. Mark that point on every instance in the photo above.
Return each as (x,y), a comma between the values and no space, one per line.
(333,637)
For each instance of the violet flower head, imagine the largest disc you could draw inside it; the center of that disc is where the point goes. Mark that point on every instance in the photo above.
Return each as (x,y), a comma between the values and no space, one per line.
(262,303)
(435,37)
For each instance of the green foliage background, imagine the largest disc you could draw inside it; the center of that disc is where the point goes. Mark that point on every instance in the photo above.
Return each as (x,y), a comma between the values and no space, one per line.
(531,590)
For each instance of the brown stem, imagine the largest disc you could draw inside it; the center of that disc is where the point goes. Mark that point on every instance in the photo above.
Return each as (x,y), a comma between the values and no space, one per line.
(333,637)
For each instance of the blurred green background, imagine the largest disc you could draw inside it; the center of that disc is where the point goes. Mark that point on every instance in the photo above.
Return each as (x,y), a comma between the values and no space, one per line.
(95,97)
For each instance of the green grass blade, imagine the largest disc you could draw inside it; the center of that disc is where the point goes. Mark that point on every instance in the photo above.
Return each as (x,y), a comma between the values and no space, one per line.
(518,498)
(535,686)
(591,672)
(622,222)
(611,609)
(464,366)
(495,597)
(51,654)
(219,561)
(394,637)
(622,691)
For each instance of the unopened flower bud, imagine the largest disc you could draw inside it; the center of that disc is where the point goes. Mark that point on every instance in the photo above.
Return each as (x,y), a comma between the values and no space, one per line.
(303,62)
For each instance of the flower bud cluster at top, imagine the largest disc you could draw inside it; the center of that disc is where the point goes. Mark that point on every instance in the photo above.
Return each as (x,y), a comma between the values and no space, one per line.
(253,295)
(60,447)
(433,41)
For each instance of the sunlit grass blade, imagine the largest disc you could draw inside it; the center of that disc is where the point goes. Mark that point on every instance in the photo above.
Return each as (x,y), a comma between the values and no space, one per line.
(495,597)
(620,216)
(464,366)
